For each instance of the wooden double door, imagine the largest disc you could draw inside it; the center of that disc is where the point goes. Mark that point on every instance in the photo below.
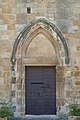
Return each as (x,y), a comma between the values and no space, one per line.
(40,90)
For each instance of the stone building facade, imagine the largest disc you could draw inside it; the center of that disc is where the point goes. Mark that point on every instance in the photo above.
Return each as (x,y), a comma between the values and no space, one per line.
(39,33)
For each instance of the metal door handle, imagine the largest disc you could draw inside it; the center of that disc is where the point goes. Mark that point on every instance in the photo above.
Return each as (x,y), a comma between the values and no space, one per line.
(45,87)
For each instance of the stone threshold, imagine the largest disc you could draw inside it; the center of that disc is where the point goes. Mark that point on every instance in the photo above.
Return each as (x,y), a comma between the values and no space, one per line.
(41,117)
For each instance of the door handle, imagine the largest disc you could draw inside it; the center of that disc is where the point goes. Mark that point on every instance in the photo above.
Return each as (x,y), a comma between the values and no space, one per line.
(38,94)
(45,87)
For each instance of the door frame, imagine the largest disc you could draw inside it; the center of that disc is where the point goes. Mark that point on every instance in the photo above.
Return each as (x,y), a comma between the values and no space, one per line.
(37,26)
(47,65)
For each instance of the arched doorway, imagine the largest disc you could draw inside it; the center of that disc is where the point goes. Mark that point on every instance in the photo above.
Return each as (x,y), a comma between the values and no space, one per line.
(40,75)
(39,49)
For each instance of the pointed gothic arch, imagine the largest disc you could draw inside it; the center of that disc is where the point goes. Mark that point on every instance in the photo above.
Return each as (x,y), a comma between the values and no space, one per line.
(52,36)
(48,25)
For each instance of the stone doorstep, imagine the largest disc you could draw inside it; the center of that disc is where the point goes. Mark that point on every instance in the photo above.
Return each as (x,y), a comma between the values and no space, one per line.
(40,117)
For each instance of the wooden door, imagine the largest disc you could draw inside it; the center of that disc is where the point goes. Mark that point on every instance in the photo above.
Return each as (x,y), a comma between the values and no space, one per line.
(40,90)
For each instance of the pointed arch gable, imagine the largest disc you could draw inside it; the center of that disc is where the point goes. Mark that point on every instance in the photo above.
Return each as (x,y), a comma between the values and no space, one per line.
(35,33)
(48,25)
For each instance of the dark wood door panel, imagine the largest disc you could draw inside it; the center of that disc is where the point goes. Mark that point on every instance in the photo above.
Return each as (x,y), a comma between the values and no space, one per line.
(40,90)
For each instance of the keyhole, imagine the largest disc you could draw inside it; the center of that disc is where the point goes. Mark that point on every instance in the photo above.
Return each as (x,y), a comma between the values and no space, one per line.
(38,94)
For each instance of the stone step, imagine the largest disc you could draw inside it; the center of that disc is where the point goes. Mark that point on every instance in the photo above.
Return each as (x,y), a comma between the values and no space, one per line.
(41,117)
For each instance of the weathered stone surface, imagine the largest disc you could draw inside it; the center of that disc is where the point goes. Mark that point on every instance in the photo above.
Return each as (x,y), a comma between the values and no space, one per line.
(65,14)
(78,48)
(3,27)
(76,21)
(75,73)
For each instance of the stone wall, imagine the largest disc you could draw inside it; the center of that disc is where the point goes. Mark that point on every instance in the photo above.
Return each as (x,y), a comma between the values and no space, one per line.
(15,15)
